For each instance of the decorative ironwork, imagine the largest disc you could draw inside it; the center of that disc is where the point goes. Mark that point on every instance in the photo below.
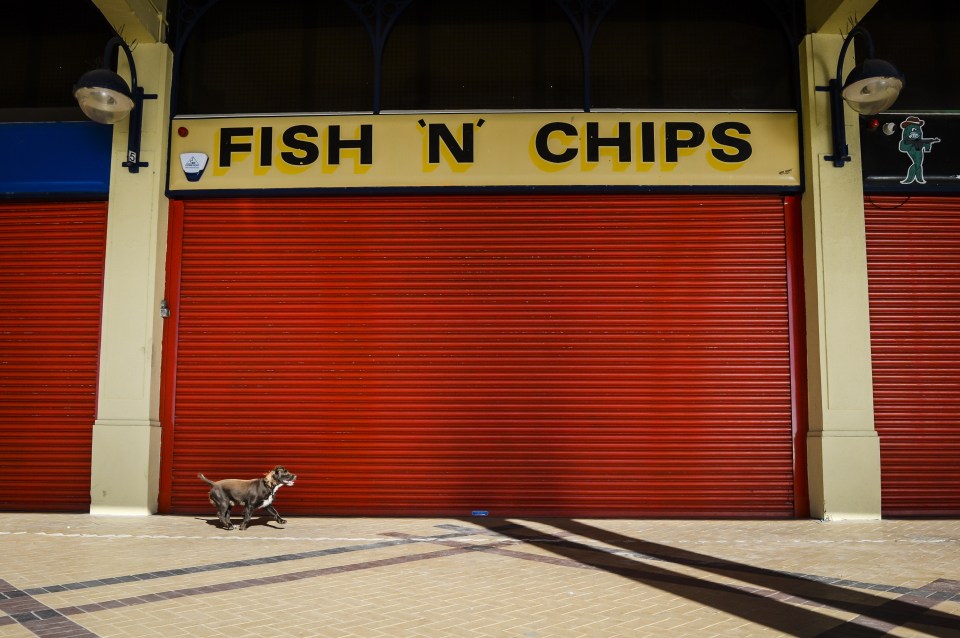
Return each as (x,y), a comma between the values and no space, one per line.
(186,14)
(586,16)
(378,16)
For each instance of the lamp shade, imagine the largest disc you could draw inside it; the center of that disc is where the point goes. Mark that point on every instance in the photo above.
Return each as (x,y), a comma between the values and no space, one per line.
(103,96)
(872,87)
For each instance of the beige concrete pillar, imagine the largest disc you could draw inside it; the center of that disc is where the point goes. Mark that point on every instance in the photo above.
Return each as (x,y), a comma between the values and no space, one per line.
(126,435)
(843,447)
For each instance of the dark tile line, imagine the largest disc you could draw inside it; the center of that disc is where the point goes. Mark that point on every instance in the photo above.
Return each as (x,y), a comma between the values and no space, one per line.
(255,582)
(33,615)
(45,622)
(252,562)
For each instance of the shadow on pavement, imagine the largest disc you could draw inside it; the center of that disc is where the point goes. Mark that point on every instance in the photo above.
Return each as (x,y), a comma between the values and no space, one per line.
(256,521)
(767,602)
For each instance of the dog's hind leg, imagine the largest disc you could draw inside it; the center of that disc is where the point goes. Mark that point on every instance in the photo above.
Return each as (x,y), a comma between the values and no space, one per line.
(224,515)
(247,515)
(223,509)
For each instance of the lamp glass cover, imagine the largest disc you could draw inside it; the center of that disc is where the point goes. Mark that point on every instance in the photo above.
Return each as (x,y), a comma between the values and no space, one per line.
(103,105)
(870,96)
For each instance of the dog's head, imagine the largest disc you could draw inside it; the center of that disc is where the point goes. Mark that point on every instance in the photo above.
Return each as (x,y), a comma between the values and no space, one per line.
(280,476)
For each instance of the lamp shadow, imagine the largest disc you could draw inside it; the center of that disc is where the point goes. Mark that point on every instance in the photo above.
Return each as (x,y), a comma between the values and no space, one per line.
(765,601)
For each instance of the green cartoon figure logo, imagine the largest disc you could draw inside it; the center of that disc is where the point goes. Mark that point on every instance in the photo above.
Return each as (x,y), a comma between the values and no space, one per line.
(915,145)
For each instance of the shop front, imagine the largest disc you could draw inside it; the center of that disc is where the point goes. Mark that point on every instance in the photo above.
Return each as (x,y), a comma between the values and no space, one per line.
(912,206)
(52,245)
(554,314)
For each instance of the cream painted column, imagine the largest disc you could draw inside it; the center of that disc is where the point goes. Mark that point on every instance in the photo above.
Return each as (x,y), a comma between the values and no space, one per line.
(843,447)
(126,435)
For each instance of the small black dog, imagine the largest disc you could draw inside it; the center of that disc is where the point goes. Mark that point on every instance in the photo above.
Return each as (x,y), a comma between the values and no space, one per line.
(253,495)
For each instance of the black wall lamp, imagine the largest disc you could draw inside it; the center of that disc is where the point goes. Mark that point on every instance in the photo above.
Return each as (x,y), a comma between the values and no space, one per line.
(870,88)
(104,97)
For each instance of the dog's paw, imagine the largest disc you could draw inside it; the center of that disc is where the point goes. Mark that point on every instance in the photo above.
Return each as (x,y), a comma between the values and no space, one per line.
(282,521)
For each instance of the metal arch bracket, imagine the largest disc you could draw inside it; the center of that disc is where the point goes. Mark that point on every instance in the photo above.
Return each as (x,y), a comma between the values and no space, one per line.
(378,16)
(585,17)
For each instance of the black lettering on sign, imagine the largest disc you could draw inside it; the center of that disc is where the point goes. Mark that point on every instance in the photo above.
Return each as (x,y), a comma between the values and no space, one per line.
(543,139)
(304,150)
(266,146)
(648,144)
(335,144)
(621,142)
(228,147)
(439,133)
(742,150)
(673,142)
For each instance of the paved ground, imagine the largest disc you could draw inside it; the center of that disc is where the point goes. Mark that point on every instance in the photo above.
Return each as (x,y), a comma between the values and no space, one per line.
(78,575)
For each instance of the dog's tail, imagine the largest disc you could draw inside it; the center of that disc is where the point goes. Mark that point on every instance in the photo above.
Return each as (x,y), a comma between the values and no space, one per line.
(206,479)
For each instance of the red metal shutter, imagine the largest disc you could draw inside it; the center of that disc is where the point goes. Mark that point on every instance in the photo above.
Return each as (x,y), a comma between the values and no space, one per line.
(913,252)
(51,284)
(570,356)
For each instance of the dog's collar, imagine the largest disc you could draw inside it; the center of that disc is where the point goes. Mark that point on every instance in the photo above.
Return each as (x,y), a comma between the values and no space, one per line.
(276,486)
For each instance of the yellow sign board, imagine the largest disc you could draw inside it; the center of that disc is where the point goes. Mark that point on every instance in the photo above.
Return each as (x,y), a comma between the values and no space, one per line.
(634,149)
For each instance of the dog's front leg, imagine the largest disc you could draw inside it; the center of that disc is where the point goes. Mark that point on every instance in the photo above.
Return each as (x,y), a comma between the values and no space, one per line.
(270,509)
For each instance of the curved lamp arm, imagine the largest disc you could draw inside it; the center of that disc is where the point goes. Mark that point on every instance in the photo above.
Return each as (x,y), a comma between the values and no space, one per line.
(863,33)
(880,81)
(105,86)
(117,41)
